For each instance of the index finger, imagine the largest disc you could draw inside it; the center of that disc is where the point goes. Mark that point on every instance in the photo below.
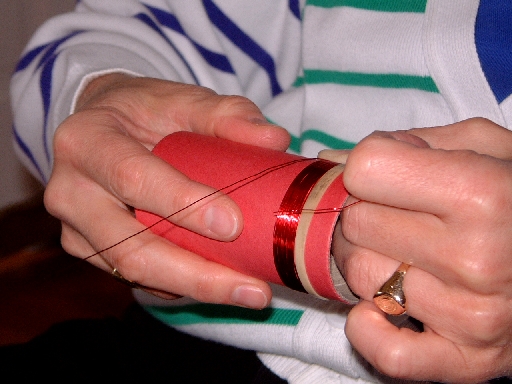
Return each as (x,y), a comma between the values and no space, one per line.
(400,174)
(131,173)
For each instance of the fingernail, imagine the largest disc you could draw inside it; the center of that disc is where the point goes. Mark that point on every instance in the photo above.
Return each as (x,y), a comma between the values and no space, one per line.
(337,156)
(249,296)
(409,138)
(221,222)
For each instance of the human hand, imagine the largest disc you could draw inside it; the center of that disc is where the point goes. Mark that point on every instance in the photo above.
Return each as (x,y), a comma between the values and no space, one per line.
(439,199)
(103,166)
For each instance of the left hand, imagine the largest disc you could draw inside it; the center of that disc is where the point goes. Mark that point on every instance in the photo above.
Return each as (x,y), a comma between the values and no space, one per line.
(439,199)
(103,166)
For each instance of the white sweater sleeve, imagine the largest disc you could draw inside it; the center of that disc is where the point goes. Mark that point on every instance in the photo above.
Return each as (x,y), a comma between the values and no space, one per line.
(156,38)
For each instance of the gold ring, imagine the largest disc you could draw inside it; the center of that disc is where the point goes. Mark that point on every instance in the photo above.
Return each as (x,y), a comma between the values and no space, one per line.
(390,297)
(120,278)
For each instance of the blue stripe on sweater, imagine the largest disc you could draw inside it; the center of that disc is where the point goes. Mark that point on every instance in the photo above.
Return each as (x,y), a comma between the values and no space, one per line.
(52,46)
(294,8)
(46,64)
(493,38)
(27,152)
(170,21)
(45,83)
(150,23)
(244,42)
(29,57)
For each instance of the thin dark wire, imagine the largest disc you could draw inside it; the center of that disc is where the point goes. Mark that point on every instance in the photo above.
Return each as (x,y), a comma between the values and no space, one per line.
(236,185)
(318,211)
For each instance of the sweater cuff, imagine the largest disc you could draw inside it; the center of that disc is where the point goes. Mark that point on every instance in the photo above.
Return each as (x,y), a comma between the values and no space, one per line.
(87,79)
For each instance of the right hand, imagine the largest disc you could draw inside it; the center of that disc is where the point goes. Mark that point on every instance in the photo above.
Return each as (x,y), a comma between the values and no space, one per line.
(440,200)
(103,166)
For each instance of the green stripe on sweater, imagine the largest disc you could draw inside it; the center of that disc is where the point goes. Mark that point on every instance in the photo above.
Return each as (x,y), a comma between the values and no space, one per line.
(320,137)
(380,80)
(316,135)
(417,6)
(224,314)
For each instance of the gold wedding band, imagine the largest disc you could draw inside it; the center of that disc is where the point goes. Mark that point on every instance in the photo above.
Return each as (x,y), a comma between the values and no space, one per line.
(120,278)
(390,297)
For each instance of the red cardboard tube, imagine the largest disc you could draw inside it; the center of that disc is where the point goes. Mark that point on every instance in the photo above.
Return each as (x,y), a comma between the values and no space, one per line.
(289,246)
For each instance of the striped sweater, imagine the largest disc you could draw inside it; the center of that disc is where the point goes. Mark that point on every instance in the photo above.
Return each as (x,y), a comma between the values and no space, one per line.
(330,71)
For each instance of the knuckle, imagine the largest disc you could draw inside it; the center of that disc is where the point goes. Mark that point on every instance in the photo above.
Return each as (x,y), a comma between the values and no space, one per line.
(475,198)
(366,160)
(472,128)
(133,258)
(133,265)
(480,211)
(58,196)
(65,140)
(487,201)
(205,287)
(358,163)
(390,361)
(478,266)
(53,198)
(475,270)
(235,103)
(184,203)
(195,92)
(487,322)
(129,178)
(184,195)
